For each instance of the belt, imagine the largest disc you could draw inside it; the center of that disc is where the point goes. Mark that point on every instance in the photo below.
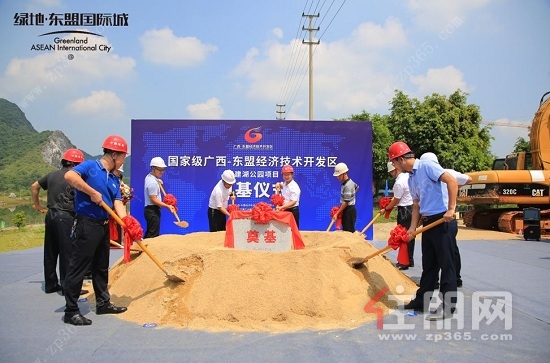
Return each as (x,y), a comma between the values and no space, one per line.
(54,210)
(432,218)
(291,209)
(92,220)
(152,207)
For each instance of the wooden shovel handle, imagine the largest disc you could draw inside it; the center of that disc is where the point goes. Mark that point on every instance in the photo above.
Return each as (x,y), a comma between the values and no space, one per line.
(414,234)
(162,189)
(330,225)
(429,226)
(371,222)
(143,247)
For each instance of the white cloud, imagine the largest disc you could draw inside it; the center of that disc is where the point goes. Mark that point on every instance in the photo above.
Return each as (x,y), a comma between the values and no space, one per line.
(102,105)
(440,80)
(209,110)
(348,74)
(438,14)
(163,47)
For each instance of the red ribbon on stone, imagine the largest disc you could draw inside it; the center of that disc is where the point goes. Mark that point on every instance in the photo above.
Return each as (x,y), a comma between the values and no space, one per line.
(383,203)
(262,213)
(132,232)
(277,200)
(399,239)
(333,211)
(170,199)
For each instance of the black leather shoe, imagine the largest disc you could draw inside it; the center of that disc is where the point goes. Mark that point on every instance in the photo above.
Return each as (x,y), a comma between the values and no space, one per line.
(53,289)
(83,292)
(411,264)
(414,305)
(76,319)
(402,267)
(110,309)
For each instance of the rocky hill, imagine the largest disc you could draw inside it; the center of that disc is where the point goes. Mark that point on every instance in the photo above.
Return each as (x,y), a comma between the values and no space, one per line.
(26,154)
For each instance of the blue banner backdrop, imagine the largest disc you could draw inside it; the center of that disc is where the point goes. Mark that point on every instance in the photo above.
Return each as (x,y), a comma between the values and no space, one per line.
(198,151)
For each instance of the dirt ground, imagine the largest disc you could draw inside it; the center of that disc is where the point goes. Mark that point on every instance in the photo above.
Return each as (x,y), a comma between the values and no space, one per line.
(382,231)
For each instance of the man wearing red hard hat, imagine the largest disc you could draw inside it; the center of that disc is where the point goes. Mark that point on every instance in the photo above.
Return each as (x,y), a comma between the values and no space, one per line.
(95,182)
(425,180)
(58,221)
(290,190)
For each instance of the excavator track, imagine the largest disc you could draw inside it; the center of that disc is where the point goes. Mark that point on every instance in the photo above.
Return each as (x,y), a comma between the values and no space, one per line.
(503,220)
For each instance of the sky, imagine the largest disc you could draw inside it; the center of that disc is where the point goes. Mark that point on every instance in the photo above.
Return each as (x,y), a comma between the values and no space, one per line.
(239,59)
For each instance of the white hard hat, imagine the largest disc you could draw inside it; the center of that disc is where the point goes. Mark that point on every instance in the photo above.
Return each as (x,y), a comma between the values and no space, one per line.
(390,166)
(121,169)
(340,169)
(429,156)
(228,176)
(158,162)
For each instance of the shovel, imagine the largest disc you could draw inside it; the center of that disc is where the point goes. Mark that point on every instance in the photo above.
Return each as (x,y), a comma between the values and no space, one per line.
(179,223)
(370,224)
(358,261)
(142,246)
(330,225)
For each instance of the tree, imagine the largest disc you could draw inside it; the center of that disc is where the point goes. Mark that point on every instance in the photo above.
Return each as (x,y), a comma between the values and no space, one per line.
(20,219)
(448,127)
(381,140)
(522,145)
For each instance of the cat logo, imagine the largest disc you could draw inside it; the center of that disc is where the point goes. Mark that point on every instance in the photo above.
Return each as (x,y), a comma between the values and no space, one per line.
(537,192)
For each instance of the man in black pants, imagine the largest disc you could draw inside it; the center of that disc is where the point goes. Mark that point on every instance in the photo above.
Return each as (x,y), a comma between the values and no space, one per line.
(59,220)
(218,201)
(425,180)
(347,198)
(95,183)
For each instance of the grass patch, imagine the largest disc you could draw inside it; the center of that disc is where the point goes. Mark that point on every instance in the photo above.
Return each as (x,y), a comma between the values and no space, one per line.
(14,239)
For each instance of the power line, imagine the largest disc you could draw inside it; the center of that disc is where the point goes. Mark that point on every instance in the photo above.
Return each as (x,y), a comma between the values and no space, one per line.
(296,69)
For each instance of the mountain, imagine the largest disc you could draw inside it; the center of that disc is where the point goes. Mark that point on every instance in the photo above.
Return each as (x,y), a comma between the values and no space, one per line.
(26,154)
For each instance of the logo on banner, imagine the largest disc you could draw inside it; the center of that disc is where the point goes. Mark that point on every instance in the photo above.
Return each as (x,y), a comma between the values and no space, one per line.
(252,136)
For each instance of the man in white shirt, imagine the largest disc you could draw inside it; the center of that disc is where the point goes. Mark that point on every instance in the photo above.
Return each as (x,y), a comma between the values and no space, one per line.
(291,192)
(217,203)
(403,200)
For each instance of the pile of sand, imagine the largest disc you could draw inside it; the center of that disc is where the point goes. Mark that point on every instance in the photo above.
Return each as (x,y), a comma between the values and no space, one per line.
(228,289)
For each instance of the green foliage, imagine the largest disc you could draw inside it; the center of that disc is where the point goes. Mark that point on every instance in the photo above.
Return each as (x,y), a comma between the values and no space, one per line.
(381,140)
(15,239)
(448,127)
(522,145)
(20,219)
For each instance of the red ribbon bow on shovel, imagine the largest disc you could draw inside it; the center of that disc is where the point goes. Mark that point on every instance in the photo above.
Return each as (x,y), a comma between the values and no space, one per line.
(399,239)
(132,232)
(383,203)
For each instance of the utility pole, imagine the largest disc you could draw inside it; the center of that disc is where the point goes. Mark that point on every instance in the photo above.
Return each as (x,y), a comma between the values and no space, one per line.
(280,112)
(310,43)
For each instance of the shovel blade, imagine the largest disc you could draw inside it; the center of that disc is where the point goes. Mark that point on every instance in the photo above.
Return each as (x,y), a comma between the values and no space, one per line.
(174,278)
(356,262)
(182,224)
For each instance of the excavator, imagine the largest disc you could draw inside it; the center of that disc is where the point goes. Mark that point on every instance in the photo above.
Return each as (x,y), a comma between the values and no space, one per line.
(519,181)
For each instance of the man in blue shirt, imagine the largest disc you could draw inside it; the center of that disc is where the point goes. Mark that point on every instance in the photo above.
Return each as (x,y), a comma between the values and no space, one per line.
(429,206)
(94,182)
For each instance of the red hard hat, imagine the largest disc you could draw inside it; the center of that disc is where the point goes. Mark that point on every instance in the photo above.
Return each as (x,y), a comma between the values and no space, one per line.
(397,149)
(287,169)
(115,143)
(73,155)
